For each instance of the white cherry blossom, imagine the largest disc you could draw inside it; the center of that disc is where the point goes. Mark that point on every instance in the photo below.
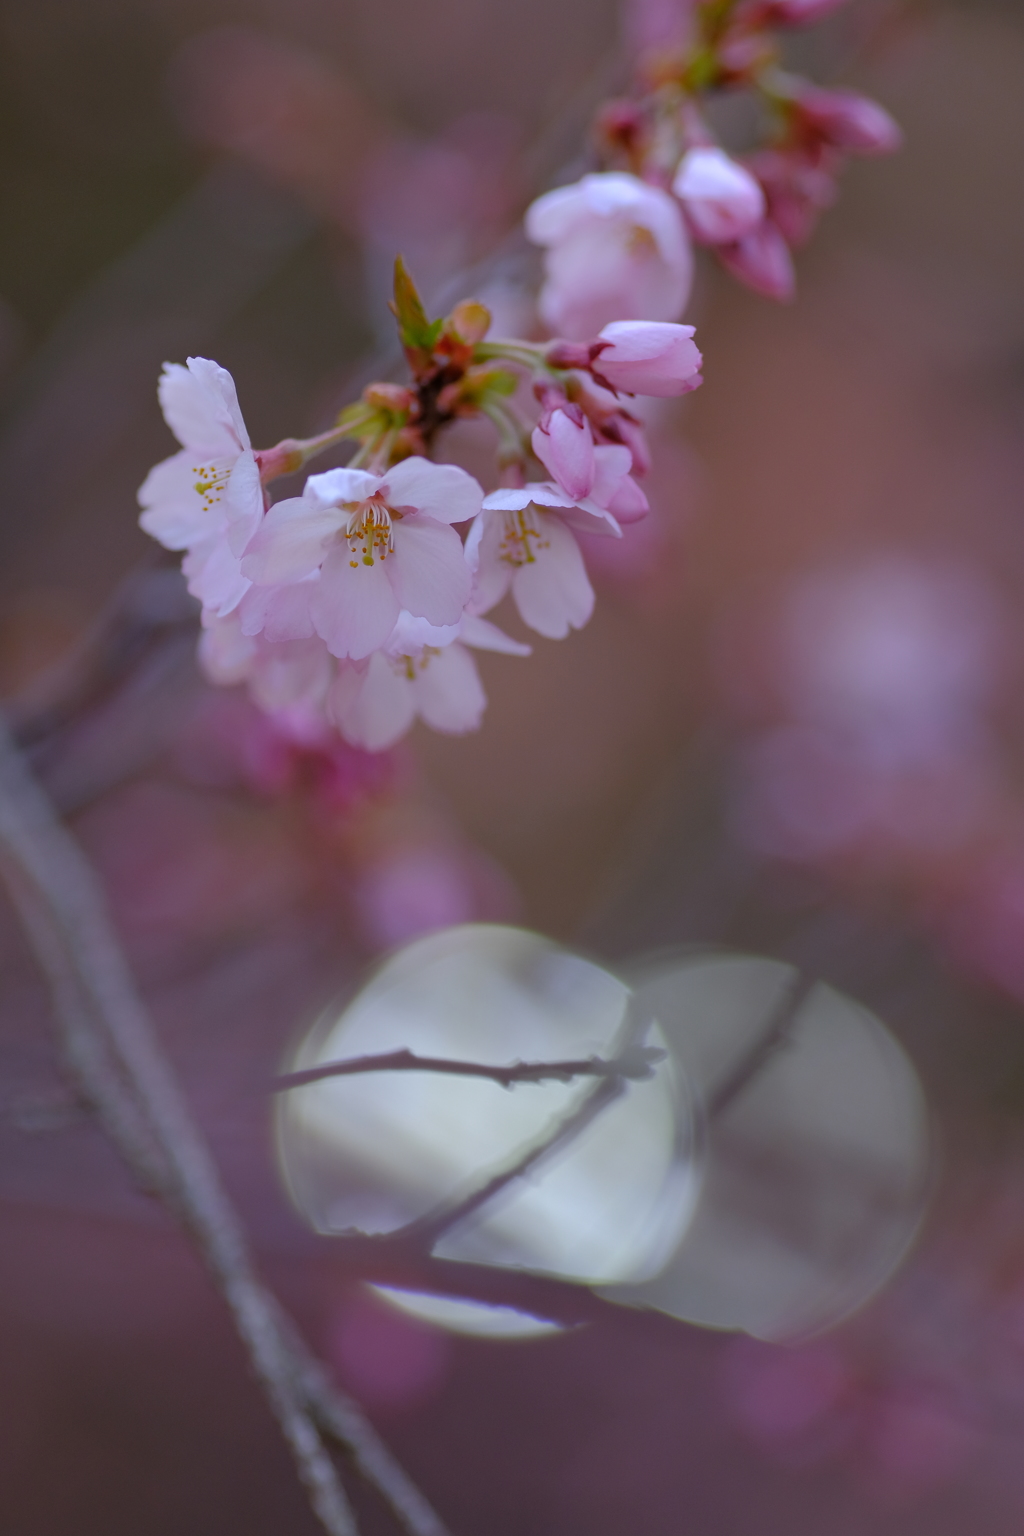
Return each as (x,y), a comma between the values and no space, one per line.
(206,499)
(617,249)
(355,549)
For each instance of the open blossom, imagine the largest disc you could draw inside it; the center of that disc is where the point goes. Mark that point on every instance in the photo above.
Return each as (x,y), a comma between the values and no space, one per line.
(617,249)
(523,540)
(721,200)
(356,548)
(424,672)
(206,499)
(645,357)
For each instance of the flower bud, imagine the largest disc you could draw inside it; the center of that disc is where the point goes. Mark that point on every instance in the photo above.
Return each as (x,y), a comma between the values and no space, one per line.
(648,357)
(566,449)
(721,199)
(470,321)
(793,13)
(762,261)
(848,121)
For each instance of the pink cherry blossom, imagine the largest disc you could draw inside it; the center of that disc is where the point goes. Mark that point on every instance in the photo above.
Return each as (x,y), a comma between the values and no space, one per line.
(423,672)
(762,261)
(617,249)
(648,357)
(363,547)
(565,445)
(523,541)
(721,199)
(799,183)
(849,121)
(206,499)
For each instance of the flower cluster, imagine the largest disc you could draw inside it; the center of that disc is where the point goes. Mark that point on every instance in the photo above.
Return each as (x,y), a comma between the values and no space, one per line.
(355,603)
(619,243)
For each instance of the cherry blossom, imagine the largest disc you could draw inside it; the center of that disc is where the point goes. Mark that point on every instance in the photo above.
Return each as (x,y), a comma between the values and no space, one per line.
(762,261)
(848,121)
(206,499)
(721,199)
(595,477)
(523,540)
(423,672)
(646,357)
(617,249)
(359,548)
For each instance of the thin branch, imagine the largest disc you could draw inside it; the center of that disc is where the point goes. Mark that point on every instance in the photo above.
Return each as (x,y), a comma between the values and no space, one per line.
(634,1066)
(116,1056)
(771,1038)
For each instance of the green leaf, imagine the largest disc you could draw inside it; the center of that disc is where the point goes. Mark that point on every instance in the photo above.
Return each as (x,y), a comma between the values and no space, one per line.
(414,328)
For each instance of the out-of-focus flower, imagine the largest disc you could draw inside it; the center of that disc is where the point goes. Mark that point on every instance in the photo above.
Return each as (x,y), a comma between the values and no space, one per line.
(646,357)
(721,199)
(380,543)
(617,249)
(207,498)
(423,672)
(798,185)
(761,261)
(848,121)
(789,13)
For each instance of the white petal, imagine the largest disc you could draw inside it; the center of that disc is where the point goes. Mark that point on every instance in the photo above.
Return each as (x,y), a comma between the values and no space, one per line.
(539,493)
(492,575)
(243,501)
(485,636)
(552,592)
(295,672)
(552,216)
(373,707)
(411,634)
(290,542)
(588,517)
(201,408)
(225,653)
(337,485)
(448,693)
(353,606)
(174,514)
(278,613)
(428,570)
(214,575)
(442,491)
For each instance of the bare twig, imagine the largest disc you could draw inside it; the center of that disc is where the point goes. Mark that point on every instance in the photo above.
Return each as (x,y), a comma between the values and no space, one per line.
(116,1056)
(770,1039)
(634,1066)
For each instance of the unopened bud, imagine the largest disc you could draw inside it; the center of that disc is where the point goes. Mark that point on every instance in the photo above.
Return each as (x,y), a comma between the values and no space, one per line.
(396,399)
(470,320)
(620,126)
(761,260)
(849,121)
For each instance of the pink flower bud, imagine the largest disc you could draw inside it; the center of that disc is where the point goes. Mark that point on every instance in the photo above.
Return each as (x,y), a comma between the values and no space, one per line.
(762,261)
(566,449)
(648,357)
(721,199)
(849,121)
(794,13)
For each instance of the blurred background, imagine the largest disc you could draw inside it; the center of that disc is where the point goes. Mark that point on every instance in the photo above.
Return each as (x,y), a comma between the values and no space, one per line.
(793,728)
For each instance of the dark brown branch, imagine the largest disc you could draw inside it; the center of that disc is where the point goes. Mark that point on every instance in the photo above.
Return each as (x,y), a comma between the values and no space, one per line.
(116,1056)
(633,1066)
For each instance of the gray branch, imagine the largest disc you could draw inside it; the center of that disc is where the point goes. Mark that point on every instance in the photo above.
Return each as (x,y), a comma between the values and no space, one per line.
(113,1050)
(633,1065)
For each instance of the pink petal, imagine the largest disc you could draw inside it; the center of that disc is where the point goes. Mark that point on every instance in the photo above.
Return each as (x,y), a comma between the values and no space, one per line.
(485,636)
(553,593)
(567,452)
(214,575)
(372,708)
(441,491)
(225,653)
(290,542)
(539,493)
(174,514)
(428,570)
(650,358)
(243,501)
(448,692)
(334,486)
(492,575)
(353,606)
(279,613)
(296,672)
(201,408)
(722,200)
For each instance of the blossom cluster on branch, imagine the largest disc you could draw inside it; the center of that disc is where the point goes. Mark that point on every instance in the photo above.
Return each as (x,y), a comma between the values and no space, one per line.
(355,605)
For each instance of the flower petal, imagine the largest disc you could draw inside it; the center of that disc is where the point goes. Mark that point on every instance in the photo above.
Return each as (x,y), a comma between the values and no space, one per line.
(567,452)
(485,636)
(243,501)
(441,491)
(353,606)
(296,672)
(201,407)
(334,486)
(448,692)
(552,592)
(174,514)
(278,613)
(411,634)
(372,707)
(428,570)
(214,575)
(290,542)
(539,493)
(492,575)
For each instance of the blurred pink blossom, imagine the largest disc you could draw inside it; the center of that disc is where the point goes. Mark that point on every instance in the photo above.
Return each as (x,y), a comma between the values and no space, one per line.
(761,261)
(848,121)
(617,249)
(721,199)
